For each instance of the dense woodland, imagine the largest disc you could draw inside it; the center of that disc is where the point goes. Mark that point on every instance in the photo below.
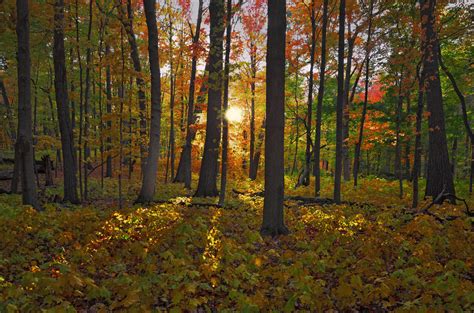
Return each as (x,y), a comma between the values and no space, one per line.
(236,155)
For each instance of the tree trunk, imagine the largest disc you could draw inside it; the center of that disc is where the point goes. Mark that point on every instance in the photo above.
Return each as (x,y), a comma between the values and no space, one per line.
(108,110)
(418,147)
(346,168)
(87,101)
(183,174)
(253,69)
(24,141)
(127,23)
(184,168)
(366,97)
(319,108)
(398,147)
(225,123)
(462,100)
(62,102)
(309,112)
(207,186)
(340,104)
(149,176)
(440,178)
(172,94)
(273,216)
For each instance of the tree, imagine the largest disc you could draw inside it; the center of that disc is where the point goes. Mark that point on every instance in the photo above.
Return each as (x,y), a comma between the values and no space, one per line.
(62,103)
(440,177)
(127,23)
(273,215)
(149,176)
(24,143)
(339,104)
(319,107)
(207,186)
(309,113)
(183,174)
(366,96)
(225,123)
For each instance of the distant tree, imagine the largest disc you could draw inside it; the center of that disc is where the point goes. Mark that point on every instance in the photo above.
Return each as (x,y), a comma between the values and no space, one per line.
(273,215)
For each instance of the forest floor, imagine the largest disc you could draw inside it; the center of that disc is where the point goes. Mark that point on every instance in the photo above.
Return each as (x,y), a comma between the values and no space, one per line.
(185,254)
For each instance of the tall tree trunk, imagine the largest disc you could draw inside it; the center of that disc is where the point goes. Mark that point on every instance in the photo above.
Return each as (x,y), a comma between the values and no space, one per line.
(309,112)
(346,161)
(398,147)
(418,147)
(24,142)
(253,70)
(127,23)
(108,110)
(207,186)
(319,108)
(172,93)
(465,119)
(366,97)
(81,103)
(183,174)
(340,104)
(87,103)
(225,123)
(273,217)
(62,102)
(149,176)
(440,178)
(122,99)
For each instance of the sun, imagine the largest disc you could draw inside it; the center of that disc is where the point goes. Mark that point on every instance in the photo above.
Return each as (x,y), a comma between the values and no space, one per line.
(234,114)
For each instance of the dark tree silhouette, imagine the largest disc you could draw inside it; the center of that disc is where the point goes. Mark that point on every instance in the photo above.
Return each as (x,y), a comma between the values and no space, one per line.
(62,102)
(149,175)
(207,186)
(273,215)
(24,142)
(440,177)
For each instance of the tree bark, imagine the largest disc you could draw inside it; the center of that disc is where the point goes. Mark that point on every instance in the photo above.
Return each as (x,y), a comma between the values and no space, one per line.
(398,147)
(207,185)
(440,177)
(24,142)
(127,23)
(366,97)
(309,112)
(340,104)
(62,102)
(108,110)
(273,215)
(319,108)
(149,176)
(87,100)
(418,147)
(225,123)
(183,173)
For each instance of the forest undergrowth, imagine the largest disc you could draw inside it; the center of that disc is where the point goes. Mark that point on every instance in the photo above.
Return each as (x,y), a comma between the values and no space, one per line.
(186,254)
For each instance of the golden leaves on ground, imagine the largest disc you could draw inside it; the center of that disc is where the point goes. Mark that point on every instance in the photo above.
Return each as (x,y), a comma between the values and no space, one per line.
(179,257)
